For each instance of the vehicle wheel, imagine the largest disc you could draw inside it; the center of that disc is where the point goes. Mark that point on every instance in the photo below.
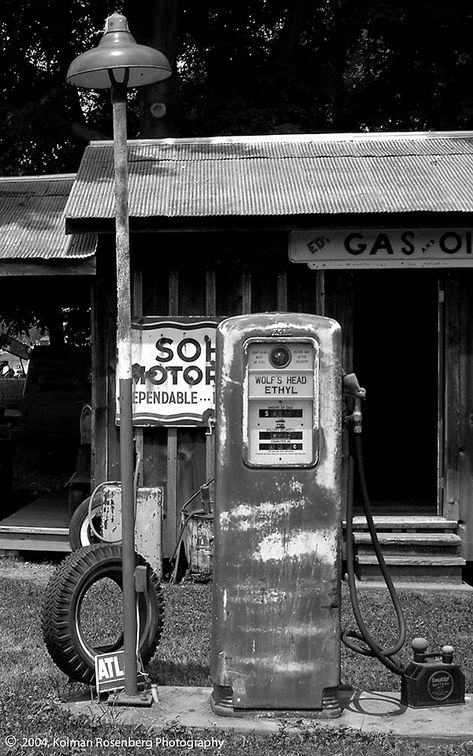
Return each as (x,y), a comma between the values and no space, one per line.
(81,611)
(80,533)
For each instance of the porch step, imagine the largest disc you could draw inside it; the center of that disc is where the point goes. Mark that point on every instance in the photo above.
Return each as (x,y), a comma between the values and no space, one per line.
(410,544)
(41,525)
(14,538)
(414,548)
(416,523)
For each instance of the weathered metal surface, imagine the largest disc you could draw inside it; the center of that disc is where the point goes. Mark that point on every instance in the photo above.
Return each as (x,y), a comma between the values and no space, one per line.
(198,543)
(281,175)
(276,599)
(33,222)
(149,507)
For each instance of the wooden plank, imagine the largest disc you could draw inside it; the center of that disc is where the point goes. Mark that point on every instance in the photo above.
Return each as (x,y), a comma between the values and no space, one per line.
(282,290)
(33,544)
(337,302)
(174,292)
(170,522)
(113,438)
(417,522)
(210,309)
(320,292)
(426,538)
(452,394)
(28,268)
(170,525)
(103,323)
(210,291)
(246,292)
(191,291)
(228,291)
(48,511)
(414,561)
(98,457)
(34,530)
(465,411)
(440,393)
(137,310)
(338,296)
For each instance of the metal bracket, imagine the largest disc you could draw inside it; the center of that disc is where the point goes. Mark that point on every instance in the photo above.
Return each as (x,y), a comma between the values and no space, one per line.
(211,424)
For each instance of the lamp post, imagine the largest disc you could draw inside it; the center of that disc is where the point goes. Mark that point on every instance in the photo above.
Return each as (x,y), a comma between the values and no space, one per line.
(119,63)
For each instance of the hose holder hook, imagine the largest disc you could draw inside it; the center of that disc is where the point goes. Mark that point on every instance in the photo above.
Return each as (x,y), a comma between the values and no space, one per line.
(352,388)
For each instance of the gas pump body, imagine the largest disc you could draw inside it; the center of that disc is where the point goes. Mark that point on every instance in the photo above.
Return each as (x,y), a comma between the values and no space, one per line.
(276,591)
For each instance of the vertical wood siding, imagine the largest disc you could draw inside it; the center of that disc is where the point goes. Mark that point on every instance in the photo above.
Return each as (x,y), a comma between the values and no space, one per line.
(458,394)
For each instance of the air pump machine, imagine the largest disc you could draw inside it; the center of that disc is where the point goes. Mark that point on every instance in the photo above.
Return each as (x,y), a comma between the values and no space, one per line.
(277,563)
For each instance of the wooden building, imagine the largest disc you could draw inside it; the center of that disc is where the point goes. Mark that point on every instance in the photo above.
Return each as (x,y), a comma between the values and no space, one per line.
(43,271)
(374,230)
(371,229)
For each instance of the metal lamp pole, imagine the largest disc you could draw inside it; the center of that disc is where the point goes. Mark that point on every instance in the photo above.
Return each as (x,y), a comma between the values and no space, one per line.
(124,361)
(119,63)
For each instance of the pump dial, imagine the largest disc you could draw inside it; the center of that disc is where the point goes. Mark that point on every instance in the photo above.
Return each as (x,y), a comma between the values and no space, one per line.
(280,356)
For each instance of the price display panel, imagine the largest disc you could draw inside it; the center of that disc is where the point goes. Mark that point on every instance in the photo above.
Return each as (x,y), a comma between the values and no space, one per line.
(282,403)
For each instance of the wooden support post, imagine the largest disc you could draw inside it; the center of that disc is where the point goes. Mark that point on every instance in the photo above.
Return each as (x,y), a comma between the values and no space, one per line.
(137,312)
(122,241)
(282,291)
(211,309)
(170,525)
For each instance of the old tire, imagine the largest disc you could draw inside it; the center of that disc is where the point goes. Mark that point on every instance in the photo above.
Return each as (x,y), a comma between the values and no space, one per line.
(63,633)
(80,533)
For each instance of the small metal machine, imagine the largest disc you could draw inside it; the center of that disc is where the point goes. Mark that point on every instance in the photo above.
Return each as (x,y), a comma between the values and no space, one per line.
(432,679)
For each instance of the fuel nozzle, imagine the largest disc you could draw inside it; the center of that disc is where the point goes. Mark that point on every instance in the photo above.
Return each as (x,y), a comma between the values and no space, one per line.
(352,388)
(205,499)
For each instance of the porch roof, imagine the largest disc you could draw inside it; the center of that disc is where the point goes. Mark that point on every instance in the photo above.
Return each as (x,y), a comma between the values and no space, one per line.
(32,220)
(296,175)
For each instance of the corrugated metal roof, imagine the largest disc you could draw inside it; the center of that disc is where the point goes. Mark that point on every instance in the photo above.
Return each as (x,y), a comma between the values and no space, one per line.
(32,219)
(281,175)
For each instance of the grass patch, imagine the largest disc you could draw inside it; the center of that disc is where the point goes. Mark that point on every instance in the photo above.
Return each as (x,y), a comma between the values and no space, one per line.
(31,686)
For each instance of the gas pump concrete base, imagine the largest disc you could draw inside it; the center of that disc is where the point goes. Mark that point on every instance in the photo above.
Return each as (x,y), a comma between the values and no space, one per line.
(331,708)
(367,712)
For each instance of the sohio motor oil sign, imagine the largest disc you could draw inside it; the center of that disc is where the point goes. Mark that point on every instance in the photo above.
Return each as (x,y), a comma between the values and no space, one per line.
(173,371)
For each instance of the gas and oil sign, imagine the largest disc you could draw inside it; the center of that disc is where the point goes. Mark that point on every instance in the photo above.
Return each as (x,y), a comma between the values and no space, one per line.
(173,371)
(382,248)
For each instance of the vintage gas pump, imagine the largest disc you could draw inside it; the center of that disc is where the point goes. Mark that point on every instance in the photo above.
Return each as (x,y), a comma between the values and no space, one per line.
(276,601)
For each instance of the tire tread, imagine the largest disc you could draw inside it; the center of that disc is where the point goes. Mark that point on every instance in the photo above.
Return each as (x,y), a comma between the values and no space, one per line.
(60,593)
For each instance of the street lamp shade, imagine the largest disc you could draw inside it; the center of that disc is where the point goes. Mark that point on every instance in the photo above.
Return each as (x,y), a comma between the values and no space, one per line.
(119,59)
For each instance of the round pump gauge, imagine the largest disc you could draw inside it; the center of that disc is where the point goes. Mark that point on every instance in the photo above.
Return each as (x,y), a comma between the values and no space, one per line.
(280,356)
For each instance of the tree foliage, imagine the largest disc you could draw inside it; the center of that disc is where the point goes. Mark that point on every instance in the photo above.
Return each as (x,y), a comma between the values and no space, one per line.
(264,66)
(260,67)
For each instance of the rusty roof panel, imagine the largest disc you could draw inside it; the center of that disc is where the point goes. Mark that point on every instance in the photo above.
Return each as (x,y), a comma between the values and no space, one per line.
(32,219)
(284,175)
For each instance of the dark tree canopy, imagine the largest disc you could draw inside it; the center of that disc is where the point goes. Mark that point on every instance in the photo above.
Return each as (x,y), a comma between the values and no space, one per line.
(260,67)
(240,68)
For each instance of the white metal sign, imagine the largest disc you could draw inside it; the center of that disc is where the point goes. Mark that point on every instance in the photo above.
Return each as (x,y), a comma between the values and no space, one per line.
(382,248)
(173,371)
(110,671)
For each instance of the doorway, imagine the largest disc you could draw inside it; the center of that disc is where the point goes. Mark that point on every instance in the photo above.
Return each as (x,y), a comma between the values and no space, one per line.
(395,356)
